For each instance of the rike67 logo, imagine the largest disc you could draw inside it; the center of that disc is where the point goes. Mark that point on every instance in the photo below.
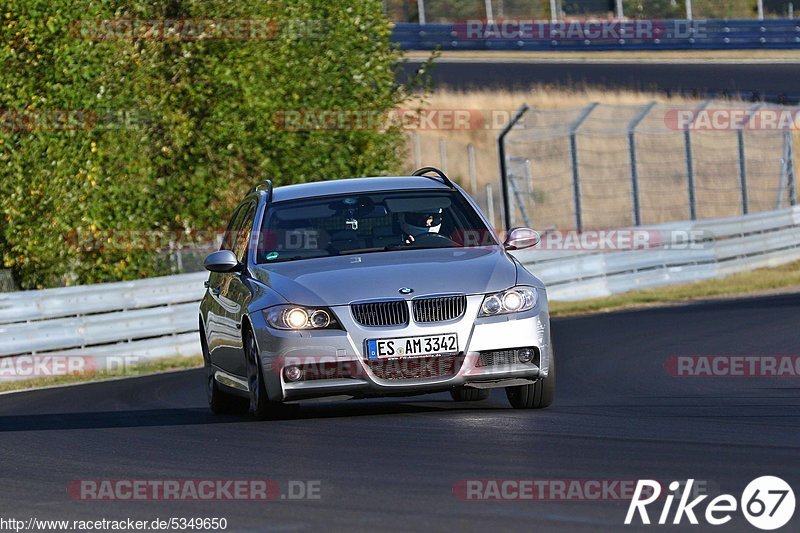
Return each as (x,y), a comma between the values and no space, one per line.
(767,502)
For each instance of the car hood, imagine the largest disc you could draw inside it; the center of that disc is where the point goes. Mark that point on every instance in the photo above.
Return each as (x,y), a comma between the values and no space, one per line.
(342,280)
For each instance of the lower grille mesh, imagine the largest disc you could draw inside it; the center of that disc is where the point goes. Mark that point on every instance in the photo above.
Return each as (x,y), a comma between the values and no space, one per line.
(497,358)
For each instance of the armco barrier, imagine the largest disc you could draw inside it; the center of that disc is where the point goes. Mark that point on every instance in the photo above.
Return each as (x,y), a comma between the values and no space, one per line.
(157,317)
(699,34)
(735,244)
(150,318)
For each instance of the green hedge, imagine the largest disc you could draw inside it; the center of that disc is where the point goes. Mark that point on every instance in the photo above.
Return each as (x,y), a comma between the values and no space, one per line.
(168,134)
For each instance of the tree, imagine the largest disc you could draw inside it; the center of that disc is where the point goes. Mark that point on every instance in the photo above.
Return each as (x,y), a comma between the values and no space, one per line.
(103,135)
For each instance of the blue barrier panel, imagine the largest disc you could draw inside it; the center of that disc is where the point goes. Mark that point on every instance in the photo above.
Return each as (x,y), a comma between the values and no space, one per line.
(601,35)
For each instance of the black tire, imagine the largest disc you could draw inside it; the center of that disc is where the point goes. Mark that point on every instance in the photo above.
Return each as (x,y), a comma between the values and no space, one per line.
(537,395)
(220,403)
(260,405)
(468,394)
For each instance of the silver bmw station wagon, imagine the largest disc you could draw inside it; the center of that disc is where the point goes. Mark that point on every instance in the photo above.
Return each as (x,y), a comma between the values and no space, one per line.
(356,288)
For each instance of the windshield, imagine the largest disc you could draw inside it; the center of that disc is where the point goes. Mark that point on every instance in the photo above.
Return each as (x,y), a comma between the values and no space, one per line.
(369,223)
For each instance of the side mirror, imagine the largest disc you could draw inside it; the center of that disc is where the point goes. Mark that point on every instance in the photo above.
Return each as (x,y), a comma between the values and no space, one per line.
(222,261)
(521,238)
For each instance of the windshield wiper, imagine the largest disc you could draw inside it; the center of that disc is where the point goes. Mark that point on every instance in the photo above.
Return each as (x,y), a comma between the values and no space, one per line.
(363,251)
(395,247)
(293,258)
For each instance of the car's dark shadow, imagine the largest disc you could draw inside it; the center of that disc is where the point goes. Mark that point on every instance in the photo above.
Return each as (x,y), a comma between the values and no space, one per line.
(200,416)
(385,407)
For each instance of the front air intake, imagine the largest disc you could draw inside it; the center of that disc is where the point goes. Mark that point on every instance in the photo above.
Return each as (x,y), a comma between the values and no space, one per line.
(439,309)
(377,314)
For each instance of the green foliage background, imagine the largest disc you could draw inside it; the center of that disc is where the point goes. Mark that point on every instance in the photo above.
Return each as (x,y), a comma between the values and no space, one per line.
(717,9)
(199,131)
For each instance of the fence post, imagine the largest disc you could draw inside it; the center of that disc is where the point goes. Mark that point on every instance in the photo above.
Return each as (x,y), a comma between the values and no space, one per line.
(553,11)
(620,12)
(421,11)
(783,175)
(473,175)
(489,14)
(512,182)
(576,179)
(417,151)
(791,183)
(688,9)
(743,159)
(501,150)
(443,154)
(490,203)
(529,180)
(637,215)
(687,139)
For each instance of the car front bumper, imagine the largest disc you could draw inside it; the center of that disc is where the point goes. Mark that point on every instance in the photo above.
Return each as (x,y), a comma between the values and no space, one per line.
(339,356)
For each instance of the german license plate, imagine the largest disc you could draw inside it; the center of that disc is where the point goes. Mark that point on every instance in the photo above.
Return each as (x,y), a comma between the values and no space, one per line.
(413,346)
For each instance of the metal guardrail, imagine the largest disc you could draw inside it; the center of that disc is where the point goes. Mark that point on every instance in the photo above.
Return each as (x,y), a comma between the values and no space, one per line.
(720,247)
(705,34)
(157,317)
(154,317)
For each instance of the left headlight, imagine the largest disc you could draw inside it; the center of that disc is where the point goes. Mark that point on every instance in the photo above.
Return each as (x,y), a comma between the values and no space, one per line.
(514,300)
(297,317)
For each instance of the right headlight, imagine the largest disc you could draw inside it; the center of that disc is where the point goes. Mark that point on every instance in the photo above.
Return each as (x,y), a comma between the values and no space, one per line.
(514,300)
(297,317)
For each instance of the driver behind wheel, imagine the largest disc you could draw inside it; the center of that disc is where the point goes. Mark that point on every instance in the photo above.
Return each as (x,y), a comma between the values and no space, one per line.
(416,224)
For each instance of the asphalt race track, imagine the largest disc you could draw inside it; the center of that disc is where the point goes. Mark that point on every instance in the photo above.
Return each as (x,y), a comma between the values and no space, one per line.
(772,81)
(392,464)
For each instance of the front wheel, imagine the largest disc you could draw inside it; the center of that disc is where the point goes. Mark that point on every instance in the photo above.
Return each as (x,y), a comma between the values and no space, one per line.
(536,395)
(260,404)
(219,402)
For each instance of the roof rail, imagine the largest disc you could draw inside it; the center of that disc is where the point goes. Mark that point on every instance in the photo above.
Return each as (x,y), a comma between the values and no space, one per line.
(264,185)
(425,170)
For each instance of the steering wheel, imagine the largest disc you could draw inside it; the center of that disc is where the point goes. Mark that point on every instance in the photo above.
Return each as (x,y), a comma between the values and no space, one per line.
(432,240)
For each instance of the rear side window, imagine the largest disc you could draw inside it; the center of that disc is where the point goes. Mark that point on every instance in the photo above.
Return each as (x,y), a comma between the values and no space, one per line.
(243,232)
(229,238)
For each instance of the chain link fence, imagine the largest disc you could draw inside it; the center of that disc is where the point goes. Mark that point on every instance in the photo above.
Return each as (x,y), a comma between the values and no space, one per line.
(604,166)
